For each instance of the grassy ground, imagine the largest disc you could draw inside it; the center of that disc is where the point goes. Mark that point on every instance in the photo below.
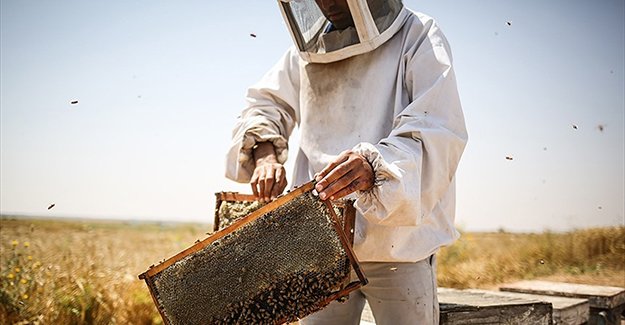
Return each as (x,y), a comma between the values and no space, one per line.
(85,272)
(486,260)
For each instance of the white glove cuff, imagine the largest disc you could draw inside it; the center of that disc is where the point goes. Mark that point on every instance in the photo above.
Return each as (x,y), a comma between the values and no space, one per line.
(381,170)
(251,138)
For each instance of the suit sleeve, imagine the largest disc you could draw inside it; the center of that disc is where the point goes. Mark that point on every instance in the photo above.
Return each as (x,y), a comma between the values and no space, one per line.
(270,115)
(415,164)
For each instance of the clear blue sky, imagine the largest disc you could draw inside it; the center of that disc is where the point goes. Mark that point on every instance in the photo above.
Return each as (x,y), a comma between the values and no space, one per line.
(160,83)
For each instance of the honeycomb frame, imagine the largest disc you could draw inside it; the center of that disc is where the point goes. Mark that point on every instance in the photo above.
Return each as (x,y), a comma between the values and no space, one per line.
(306,284)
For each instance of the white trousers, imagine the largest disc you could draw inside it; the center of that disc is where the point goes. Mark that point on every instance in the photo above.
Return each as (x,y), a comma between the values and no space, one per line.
(398,293)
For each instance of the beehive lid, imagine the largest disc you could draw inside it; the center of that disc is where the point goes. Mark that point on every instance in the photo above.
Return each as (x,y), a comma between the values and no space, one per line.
(598,296)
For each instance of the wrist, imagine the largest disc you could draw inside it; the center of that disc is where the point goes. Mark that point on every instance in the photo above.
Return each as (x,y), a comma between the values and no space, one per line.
(264,153)
(270,159)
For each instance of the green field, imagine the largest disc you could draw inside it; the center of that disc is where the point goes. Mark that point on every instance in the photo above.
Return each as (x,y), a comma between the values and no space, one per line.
(85,272)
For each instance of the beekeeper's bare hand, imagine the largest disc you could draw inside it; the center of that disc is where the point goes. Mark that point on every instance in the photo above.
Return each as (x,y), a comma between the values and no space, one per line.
(269,177)
(348,173)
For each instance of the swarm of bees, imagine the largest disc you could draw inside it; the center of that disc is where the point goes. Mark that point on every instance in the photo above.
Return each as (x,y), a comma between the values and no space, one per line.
(294,297)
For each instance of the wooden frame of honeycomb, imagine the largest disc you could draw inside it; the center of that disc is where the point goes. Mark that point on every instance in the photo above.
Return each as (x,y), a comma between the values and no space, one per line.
(261,291)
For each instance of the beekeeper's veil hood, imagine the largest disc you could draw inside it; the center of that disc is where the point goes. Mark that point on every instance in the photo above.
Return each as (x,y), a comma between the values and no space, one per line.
(372,23)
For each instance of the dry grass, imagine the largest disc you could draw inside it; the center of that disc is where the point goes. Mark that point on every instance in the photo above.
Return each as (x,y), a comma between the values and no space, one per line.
(485,260)
(59,272)
(85,272)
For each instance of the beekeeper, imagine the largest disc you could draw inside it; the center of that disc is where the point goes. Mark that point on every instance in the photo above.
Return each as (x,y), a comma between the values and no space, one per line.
(371,86)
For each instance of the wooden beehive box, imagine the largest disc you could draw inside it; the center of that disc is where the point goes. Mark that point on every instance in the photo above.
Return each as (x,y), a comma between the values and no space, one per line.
(232,206)
(473,307)
(607,304)
(566,311)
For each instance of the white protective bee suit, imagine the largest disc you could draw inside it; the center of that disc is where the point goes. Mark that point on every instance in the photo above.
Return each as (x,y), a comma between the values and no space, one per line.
(396,104)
